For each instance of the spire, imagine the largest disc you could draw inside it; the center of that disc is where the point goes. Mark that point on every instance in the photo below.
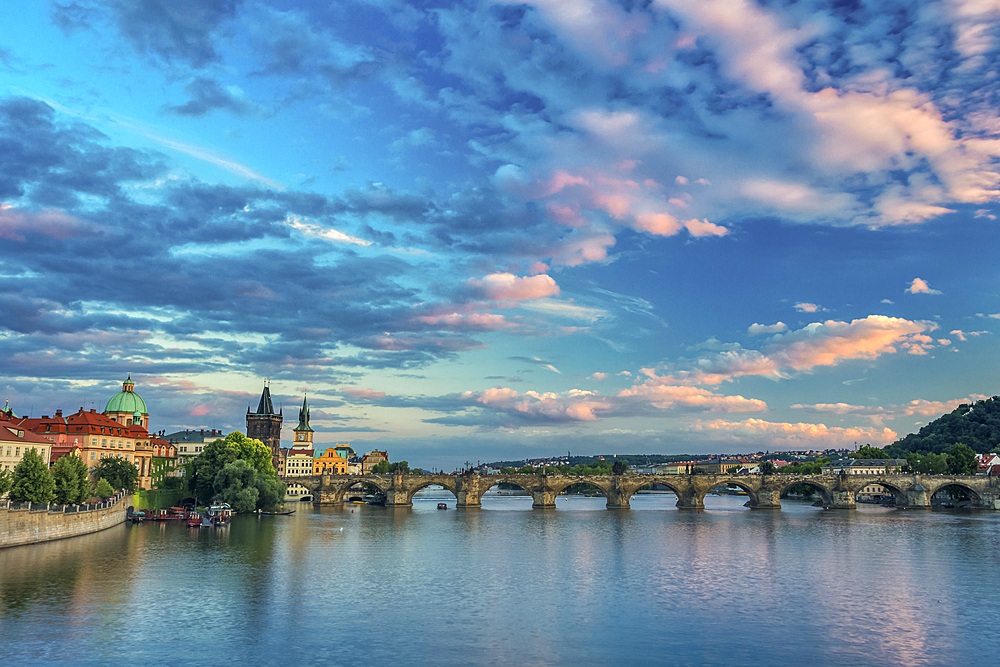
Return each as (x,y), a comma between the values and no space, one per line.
(265,407)
(303,417)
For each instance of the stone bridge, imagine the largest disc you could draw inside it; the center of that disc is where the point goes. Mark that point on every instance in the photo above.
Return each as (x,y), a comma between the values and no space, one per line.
(764,491)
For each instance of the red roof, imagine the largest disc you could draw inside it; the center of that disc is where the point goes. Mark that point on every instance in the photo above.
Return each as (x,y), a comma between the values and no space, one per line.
(9,433)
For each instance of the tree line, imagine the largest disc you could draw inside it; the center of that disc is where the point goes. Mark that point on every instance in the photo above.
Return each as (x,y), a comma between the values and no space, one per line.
(236,470)
(67,482)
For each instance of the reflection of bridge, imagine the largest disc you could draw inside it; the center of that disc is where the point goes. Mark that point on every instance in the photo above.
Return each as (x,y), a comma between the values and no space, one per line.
(764,491)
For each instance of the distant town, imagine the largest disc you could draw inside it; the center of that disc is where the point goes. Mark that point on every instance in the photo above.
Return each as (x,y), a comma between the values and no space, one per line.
(121,432)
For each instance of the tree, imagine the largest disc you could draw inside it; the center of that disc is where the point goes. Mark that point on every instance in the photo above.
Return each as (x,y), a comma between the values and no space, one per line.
(32,481)
(6,481)
(869,452)
(245,489)
(381,468)
(402,467)
(219,453)
(70,476)
(121,474)
(619,468)
(767,468)
(104,490)
(962,460)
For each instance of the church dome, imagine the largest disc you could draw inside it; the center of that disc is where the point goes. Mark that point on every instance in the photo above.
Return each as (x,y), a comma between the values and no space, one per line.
(127,400)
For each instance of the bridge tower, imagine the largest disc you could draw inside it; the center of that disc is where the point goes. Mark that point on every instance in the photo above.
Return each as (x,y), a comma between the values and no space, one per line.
(265,424)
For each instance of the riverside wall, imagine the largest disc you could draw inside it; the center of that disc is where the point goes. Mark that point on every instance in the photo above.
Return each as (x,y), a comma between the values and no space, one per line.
(30,524)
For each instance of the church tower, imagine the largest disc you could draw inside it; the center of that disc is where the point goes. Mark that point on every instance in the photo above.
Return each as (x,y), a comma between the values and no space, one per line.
(303,433)
(265,425)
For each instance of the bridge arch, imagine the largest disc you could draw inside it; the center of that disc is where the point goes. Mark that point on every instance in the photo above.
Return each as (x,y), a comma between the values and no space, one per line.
(475,496)
(970,493)
(412,490)
(894,488)
(737,482)
(825,494)
(340,485)
(558,488)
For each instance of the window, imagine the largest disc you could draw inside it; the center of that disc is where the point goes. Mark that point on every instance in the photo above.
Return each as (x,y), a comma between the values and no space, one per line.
(17,451)
(93,456)
(104,441)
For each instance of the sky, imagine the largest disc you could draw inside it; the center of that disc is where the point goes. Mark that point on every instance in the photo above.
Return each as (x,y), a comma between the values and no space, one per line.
(495,230)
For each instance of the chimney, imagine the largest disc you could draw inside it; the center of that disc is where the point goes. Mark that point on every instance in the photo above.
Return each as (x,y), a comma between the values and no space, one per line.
(58,413)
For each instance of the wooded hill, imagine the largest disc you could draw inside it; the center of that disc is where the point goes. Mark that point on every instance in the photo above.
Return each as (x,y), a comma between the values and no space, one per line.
(976,425)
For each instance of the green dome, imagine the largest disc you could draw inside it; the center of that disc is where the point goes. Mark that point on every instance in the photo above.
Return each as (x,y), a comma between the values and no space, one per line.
(127,400)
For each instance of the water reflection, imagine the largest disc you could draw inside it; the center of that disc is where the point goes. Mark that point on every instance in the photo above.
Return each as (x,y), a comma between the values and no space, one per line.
(578,585)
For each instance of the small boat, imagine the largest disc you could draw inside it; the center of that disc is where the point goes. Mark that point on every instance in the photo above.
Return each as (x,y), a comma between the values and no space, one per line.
(218,515)
(377,499)
(442,506)
(194,519)
(261,512)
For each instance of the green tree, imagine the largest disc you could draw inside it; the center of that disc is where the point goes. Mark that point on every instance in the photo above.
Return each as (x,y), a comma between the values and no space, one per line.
(402,467)
(32,481)
(767,468)
(507,471)
(6,481)
(619,468)
(381,468)
(119,473)
(104,490)
(245,489)
(70,476)
(218,453)
(869,452)
(962,460)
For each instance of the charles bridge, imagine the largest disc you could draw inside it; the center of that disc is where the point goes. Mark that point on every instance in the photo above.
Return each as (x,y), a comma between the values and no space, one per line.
(764,491)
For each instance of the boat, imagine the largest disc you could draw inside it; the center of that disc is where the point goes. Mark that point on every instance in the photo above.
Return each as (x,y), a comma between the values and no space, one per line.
(218,515)
(263,513)
(194,519)
(442,506)
(377,499)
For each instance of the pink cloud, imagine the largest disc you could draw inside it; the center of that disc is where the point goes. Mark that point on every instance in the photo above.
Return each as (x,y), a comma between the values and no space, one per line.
(361,393)
(468,321)
(819,344)
(920,286)
(51,223)
(806,307)
(661,224)
(507,286)
(538,267)
(666,397)
(799,435)
(566,215)
(681,180)
(598,376)
(200,410)
(558,181)
(699,228)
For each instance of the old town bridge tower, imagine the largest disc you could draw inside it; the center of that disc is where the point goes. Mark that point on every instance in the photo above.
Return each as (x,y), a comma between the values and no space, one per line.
(265,425)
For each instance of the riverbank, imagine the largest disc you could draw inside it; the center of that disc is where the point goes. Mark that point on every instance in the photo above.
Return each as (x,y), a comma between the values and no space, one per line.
(27,523)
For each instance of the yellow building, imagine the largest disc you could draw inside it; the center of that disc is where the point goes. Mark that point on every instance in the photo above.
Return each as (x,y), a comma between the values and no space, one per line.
(372,459)
(330,463)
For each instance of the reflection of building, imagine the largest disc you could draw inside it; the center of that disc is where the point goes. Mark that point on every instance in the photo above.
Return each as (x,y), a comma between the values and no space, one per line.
(265,425)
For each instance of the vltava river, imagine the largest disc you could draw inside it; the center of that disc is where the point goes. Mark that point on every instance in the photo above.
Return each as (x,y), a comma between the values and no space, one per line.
(507,585)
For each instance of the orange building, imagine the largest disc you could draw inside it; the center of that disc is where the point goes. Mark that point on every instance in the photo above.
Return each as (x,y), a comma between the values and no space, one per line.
(330,463)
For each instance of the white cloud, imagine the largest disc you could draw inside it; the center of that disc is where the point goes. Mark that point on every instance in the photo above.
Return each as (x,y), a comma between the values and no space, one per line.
(920,286)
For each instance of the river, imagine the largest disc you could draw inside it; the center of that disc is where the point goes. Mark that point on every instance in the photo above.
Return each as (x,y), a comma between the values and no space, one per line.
(508,585)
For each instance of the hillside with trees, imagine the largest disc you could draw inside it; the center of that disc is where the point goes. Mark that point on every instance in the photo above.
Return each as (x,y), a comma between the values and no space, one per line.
(976,425)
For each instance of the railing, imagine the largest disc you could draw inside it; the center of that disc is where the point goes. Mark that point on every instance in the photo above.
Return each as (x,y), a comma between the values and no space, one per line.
(53,508)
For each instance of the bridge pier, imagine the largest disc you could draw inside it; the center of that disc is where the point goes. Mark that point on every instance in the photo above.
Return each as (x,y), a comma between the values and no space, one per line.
(543,499)
(843,499)
(917,497)
(690,501)
(619,497)
(767,499)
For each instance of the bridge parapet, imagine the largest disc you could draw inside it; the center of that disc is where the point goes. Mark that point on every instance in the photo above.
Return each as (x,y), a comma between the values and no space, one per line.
(764,491)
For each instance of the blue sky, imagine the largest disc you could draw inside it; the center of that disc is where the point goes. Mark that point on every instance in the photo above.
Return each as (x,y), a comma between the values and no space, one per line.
(483,230)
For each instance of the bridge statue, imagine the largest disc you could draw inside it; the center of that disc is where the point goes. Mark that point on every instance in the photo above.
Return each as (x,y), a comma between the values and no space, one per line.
(764,491)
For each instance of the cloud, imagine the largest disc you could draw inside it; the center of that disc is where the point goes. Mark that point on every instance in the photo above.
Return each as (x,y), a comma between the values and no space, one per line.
(208,95)
(920,286)
(537,362)
(359,393)
(784,435)
(805,307)
(507,286)
(826,343)
(757,329)
(308,228)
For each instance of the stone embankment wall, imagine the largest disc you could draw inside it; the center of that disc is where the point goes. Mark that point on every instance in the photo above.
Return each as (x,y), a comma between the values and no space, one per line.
(22,523)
